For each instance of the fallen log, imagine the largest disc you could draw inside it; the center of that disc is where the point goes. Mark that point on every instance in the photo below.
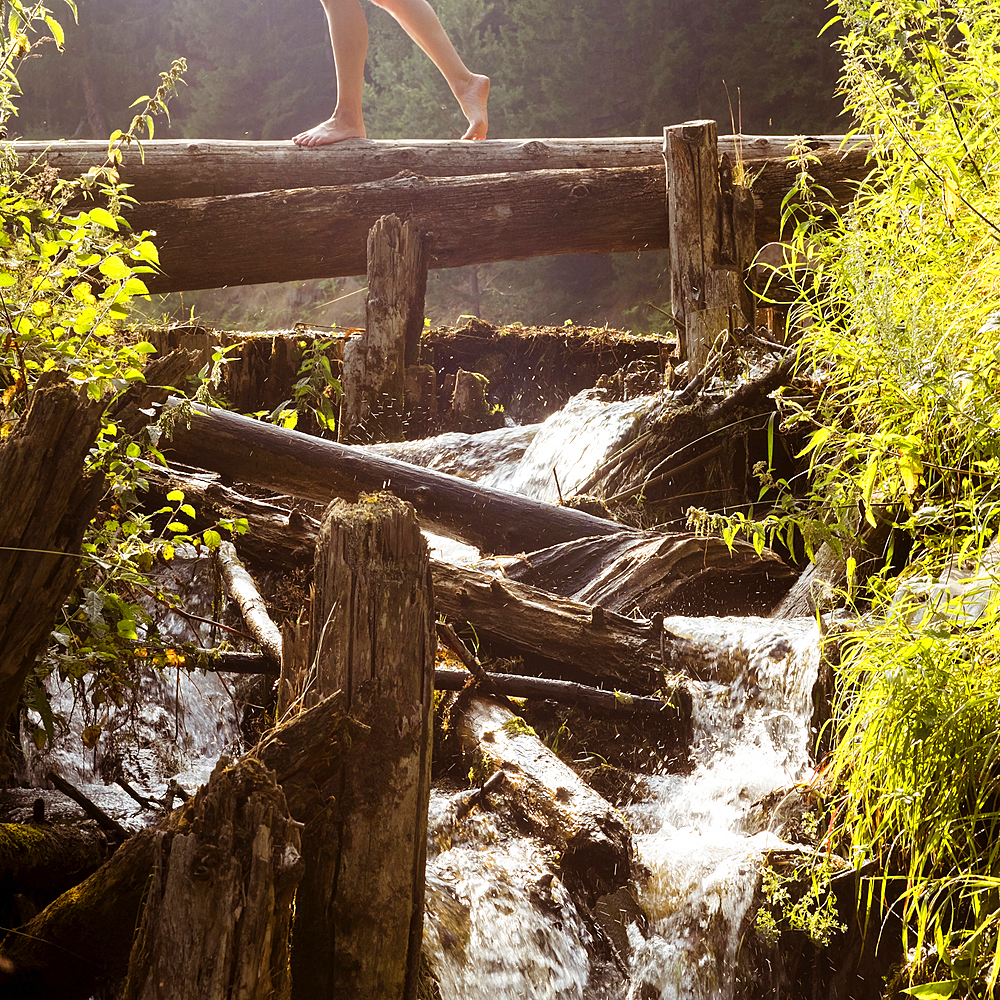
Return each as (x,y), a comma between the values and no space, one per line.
(248,451)
(47,505)
(241,587)
(43,860)
(553,635)
(672,574)
(166,169)
(322,232)
(85,935)
(546,795)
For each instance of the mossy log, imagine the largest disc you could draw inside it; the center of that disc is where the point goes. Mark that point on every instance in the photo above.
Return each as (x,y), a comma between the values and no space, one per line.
(83,938)
(545,794)
(47,505)
(218,909)
(42,860)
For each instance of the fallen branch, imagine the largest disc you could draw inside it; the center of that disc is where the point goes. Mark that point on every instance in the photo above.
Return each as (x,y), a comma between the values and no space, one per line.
(243,590)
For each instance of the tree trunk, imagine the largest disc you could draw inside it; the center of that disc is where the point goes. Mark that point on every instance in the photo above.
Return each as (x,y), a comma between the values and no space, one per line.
(242,589)
(359,909)
(375,363)
(218,910)
(84,937)
(166,169)
(546,795)
(249,451)
(323,232)
(44,860)
(47,505)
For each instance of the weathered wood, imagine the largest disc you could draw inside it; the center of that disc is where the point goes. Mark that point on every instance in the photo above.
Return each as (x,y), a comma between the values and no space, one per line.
(375,363)
(658,573)
(107,823)
(47,505)
(167,169)
(546,795)
(218,909)
(241,587)
(692,158)
(323,232)
(84,936)
(553,635)
(248,451)
(359,909)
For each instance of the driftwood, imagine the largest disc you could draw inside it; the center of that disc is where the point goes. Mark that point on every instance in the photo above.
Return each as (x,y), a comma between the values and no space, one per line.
(218,910)
(359,909)
(249,451)
(109,825)
(168,169)
(84,936)
(546,795)
(243,590)
(47,505)
(658,573)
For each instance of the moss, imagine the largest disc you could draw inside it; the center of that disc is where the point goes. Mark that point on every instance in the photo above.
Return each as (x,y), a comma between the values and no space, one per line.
(18,837)
(517,727)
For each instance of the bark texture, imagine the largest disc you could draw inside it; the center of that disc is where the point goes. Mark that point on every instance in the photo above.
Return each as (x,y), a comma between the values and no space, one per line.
(359,909)
(184,168)
(249,451)
(47,505)
(217,914)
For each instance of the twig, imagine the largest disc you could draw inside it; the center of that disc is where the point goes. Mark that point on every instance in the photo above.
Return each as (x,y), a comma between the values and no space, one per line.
(94,811)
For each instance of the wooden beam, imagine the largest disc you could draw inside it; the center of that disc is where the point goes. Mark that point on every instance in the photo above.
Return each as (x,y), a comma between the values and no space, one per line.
(168,169)
(323,231)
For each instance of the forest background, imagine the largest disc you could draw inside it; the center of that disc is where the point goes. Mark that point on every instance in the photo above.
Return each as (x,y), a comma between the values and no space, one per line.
(262,70)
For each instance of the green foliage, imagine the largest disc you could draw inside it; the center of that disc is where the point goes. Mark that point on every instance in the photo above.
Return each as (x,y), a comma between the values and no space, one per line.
(800,899)
(904,359)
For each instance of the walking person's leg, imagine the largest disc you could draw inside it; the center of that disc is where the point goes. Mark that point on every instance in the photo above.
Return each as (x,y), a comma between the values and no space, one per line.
(349,37)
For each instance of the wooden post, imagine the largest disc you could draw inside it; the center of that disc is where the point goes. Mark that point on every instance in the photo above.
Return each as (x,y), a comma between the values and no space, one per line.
(359,908)
(711,240)
(375,363)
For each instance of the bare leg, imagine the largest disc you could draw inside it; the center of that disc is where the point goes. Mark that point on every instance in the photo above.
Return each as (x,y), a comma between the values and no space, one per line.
(349,37)
(471,90)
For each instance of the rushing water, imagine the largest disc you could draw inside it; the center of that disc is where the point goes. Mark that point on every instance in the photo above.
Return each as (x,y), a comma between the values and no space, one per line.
(500,923)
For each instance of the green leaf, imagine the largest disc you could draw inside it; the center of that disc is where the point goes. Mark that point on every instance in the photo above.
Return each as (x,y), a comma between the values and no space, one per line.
(174,496)
(103,218)
(114,267)
(943,990)
(212,539)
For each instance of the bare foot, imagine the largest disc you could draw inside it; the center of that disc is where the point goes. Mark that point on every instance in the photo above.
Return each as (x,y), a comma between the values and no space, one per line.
(472,99)
(329,132)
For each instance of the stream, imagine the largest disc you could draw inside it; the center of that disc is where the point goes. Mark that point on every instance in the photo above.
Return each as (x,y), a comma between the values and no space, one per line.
(500,923)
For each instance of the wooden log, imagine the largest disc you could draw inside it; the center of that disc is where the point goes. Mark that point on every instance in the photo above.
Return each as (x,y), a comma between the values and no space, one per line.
(248,451)
(375,363)
(241,587)
(84,936)
(359,909)
(323,232)
(546,795)
(47,505)
(680,573)
(218,910)
(44,860)
(167,169)
(554,636)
